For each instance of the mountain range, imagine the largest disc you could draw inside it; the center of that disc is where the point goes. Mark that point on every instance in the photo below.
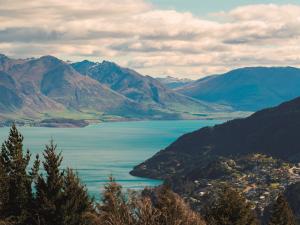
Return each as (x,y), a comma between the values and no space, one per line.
(247,89)
(35,89)
(31,88)
(272,132)
(142,89)
(46,87)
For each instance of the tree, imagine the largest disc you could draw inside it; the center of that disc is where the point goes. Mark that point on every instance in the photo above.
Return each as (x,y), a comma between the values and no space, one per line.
(49,195)
(15,191)
(152,207)
(145,212)
(282,213)
(76,202)
(173,210)
(230,208)
(114,209)
(4,187)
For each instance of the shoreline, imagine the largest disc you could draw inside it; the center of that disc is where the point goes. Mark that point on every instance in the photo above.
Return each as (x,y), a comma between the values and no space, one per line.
(81,123)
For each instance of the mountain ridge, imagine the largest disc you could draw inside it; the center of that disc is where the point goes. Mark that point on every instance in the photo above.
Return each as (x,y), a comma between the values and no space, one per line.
(139,88)
(273,131)
(173,82)
(48,88)
(249,88)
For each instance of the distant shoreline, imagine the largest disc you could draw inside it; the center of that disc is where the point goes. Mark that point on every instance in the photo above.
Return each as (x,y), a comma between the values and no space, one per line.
(81,123)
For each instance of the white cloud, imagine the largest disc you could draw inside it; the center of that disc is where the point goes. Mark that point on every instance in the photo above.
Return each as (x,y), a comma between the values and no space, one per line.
(153,41)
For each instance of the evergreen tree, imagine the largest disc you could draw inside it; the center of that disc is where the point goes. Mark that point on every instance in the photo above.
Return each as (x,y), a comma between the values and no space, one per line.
(15,190)
(49,195)
(230,208)
(4,187)
(76,203)
(282,213)
(34,206)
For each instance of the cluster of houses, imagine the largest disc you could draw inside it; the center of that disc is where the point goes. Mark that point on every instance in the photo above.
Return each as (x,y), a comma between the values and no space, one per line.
(260,178)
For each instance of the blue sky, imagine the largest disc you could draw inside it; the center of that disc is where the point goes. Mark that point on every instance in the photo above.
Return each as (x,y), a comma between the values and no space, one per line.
(183,38)
(204,7)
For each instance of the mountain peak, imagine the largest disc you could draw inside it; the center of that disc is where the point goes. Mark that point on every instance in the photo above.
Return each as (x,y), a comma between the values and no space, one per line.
(109,66)
(50,58)
(2,56)
(109,63)
(84,66)
(87,62)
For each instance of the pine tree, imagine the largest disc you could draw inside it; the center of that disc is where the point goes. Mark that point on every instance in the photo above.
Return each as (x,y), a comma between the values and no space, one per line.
(282,213)
(49,195)
(76,203)
(230,208)
(15,190)
(4,187)
(34,175)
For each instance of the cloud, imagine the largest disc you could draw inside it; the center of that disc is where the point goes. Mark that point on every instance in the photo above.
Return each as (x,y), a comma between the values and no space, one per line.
(20,34)
(134,33)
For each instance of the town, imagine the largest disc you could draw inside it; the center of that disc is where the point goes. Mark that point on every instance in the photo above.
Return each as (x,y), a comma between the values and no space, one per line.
(259,177)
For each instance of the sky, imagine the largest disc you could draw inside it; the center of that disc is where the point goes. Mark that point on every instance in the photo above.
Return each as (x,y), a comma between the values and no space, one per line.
(181,38)
(202,8)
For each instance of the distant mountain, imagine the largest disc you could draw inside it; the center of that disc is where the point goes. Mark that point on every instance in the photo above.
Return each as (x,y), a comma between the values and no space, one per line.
(248,89)
(10,99)
(143,89)
(173,82)
(49,88)
(274,132)
(83,67)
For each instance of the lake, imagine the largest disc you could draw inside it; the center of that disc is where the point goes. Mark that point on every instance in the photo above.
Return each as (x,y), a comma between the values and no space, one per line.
(98,151)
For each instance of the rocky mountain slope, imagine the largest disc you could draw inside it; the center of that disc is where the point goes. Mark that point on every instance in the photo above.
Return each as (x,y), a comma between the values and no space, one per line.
(46,88)
(37,87)
(143,89)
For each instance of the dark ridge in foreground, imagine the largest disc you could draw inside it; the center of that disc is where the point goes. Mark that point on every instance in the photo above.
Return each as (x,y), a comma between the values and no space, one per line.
(274,132)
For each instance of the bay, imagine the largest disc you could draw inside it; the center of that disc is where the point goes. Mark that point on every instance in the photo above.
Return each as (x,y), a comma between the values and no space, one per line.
(98,151)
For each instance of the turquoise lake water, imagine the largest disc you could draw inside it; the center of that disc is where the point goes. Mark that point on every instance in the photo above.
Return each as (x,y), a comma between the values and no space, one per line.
(98,151)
